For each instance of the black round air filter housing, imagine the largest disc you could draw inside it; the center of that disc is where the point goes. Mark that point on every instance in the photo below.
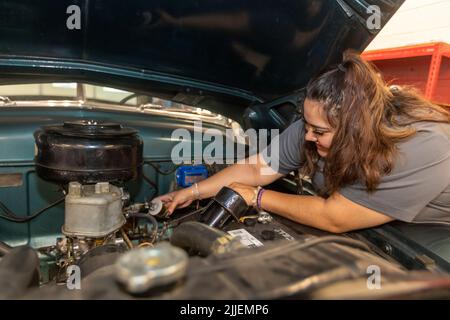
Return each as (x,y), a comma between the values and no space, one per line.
(87,151)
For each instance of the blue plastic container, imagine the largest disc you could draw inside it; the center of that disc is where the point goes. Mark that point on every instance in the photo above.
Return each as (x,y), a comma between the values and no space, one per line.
(188,175)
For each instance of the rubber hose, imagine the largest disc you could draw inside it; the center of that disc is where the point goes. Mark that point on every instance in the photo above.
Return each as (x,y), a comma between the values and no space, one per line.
(199,237)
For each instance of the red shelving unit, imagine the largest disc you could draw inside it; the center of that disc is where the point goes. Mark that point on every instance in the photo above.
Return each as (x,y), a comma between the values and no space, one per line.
(425,66)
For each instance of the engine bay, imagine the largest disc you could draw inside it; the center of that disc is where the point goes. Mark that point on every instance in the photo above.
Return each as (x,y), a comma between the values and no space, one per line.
(90,162)
(114,244)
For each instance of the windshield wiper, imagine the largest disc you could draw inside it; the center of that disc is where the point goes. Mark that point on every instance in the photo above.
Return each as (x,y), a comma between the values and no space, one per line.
(188,110)
(6,101)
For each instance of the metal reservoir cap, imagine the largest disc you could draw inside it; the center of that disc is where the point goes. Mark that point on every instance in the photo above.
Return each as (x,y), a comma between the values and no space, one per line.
(142,269)
(157,209)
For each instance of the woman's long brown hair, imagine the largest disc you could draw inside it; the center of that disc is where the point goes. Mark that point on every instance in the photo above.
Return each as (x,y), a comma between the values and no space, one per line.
(369,118)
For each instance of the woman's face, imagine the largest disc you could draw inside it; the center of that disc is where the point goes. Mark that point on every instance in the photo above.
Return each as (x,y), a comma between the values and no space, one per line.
(318,130)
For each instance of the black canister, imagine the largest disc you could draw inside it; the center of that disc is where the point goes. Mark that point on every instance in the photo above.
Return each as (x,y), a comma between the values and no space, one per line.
(227,203)
(88,151)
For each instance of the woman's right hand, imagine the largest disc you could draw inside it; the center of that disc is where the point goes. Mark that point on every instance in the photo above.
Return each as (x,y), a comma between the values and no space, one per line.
(177,199)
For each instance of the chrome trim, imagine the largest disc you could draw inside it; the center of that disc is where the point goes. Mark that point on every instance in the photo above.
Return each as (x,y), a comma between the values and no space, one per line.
(149,109)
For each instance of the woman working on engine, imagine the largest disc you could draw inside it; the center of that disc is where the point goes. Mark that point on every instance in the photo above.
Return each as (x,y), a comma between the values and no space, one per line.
(374,153)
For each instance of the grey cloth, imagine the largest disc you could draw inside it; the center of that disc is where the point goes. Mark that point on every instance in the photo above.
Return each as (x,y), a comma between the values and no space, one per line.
(417,189)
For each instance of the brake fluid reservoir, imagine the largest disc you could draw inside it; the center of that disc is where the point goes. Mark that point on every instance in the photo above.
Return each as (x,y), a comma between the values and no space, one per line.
(188,175)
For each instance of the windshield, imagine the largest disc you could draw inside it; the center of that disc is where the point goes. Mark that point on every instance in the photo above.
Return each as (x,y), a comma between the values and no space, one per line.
(39,91)
(76,91)
(434,237)
(78,94)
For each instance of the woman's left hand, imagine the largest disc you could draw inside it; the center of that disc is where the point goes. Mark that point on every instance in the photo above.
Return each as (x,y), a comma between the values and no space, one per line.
(247,192)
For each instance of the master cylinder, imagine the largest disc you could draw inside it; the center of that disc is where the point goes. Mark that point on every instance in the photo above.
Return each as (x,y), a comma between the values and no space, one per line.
(93,211)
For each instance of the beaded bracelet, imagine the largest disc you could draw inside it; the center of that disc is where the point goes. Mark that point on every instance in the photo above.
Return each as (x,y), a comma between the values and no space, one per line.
(259,197)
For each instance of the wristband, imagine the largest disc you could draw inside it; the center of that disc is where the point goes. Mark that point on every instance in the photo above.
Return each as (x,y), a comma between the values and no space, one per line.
(195,192)
(259,197)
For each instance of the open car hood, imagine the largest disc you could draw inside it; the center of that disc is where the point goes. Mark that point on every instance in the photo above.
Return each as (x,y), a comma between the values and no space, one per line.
(253,50)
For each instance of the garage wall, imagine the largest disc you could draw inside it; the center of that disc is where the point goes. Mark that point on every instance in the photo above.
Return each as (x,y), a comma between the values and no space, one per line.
(417,21)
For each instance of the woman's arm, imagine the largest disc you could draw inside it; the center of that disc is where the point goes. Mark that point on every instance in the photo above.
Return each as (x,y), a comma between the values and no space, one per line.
(249,171)
(336,214)
(252,171)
